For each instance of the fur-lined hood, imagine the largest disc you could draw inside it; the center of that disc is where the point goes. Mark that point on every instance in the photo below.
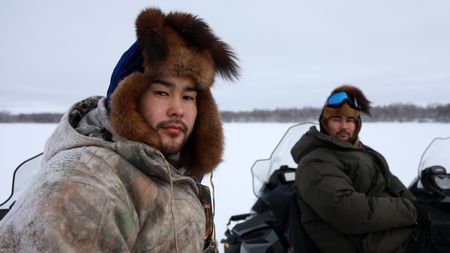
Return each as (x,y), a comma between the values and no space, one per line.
(178,44)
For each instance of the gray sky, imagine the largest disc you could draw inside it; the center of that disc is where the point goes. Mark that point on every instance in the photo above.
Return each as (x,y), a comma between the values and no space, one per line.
(292,53)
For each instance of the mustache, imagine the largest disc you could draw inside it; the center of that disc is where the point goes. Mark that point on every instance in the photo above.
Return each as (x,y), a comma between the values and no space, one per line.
(343,131)
(169,122)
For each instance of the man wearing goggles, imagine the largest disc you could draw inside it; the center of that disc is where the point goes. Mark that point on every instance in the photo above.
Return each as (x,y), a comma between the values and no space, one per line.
(341,115)
(348,198)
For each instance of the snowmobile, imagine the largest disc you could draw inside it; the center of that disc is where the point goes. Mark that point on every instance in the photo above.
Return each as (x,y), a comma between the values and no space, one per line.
(273,225)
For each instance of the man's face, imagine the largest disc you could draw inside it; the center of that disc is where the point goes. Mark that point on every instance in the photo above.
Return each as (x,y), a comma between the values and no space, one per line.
(169,105)
(341,127)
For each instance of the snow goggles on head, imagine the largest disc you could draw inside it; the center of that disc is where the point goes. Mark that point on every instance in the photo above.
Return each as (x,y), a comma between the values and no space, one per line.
(337,99)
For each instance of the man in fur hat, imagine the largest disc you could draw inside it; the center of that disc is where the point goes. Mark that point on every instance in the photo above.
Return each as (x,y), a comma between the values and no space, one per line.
(122,173)
(349,200)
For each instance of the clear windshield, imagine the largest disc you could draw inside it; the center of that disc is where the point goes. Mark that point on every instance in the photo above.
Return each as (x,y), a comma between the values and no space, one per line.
(23,175)
(437,153)
(281,155)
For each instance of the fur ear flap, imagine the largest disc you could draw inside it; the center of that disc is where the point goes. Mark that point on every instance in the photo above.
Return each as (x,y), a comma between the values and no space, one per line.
(203,152)
(125,118)
(196,32)
(150,34)
(358,94)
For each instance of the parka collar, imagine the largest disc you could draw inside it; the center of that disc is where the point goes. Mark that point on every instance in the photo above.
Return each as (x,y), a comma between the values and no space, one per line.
(314,139)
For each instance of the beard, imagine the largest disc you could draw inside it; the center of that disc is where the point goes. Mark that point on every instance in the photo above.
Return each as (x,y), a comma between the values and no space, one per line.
(172,141)
(344,132)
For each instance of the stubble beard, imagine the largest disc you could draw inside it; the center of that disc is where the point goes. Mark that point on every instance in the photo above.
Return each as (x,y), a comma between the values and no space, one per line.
(172,143)
(348,135)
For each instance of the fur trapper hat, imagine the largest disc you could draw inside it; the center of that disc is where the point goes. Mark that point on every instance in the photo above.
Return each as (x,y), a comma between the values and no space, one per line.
(177,44)
(356,104)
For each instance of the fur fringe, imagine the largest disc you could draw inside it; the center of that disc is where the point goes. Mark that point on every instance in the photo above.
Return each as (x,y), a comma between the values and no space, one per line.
(125,118)
(153,32)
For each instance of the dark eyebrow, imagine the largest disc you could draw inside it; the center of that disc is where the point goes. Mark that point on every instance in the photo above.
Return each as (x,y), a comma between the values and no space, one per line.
(171,85)
(162,82)
(192,88)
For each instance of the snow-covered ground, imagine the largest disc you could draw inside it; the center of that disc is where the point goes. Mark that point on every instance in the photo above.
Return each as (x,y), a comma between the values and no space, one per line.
(401,143)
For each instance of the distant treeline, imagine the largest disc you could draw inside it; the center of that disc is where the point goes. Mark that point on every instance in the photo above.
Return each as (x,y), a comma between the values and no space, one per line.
(6,117)
(389,113)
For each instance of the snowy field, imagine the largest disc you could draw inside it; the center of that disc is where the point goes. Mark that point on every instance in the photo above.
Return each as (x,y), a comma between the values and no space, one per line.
(401,143)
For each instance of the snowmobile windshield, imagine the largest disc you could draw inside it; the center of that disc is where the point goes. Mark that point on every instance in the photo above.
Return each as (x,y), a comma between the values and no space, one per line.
(22,177)
(281,156)
(435,163)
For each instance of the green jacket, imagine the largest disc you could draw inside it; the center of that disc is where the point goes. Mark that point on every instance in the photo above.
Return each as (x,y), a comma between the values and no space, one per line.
(350,202)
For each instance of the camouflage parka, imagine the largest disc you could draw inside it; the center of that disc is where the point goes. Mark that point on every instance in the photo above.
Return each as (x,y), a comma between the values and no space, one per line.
(99,193)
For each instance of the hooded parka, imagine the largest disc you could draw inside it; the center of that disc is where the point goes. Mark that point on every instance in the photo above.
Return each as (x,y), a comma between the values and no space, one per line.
(350,202)
(93,194)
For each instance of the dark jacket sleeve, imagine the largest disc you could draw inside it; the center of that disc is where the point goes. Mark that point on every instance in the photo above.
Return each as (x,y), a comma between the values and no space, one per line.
(331,194)
(400,188)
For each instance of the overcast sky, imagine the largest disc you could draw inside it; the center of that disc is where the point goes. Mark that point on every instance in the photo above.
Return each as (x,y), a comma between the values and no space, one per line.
(292,53)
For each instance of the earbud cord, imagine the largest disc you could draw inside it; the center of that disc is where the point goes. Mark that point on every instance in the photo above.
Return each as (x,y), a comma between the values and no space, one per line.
(213,207)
